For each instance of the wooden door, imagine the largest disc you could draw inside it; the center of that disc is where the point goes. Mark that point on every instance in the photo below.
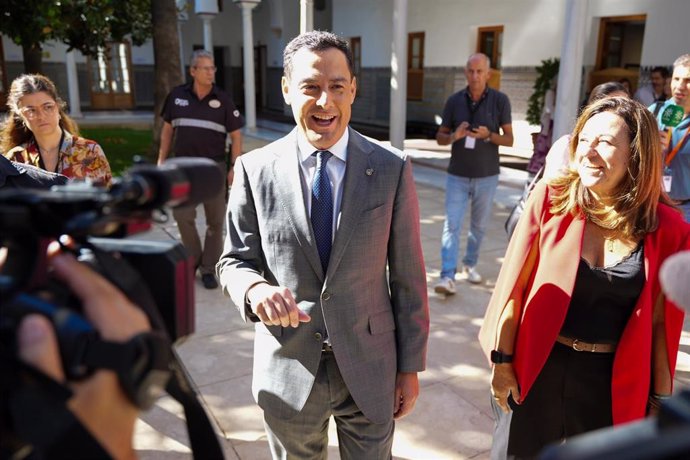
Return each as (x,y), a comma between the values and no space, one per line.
(110,78)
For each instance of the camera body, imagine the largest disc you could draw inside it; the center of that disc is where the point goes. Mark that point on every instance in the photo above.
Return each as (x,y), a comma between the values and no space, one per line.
(157,276)
(168,272)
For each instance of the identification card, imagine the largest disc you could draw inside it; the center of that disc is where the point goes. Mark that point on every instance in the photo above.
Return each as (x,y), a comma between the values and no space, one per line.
(470,142)
(667,178)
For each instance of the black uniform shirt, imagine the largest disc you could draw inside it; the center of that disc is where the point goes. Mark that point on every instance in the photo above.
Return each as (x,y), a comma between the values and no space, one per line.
(201,126)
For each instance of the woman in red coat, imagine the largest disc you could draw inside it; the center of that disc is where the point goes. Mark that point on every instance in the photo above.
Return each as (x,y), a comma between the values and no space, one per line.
(578,332)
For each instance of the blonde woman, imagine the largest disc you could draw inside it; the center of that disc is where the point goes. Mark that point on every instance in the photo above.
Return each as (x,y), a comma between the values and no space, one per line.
(578,332)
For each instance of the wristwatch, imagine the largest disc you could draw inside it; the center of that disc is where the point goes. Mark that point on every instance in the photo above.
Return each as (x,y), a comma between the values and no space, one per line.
(498,357)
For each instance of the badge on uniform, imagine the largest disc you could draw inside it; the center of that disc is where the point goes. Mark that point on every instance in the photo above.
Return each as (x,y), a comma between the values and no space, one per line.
(470,142)
(214,103)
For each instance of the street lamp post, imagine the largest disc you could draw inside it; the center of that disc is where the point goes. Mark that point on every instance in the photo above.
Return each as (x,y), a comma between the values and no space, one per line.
(248,46)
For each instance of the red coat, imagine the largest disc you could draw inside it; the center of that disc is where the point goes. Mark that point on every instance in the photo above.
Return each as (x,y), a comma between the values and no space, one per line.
(548,293)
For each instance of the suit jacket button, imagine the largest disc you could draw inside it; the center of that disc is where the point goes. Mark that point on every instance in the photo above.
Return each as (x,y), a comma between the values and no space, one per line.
(318,337)
(326,296)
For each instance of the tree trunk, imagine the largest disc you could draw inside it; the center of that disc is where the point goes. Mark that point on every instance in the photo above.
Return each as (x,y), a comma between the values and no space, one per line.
(33,58)
(166,55)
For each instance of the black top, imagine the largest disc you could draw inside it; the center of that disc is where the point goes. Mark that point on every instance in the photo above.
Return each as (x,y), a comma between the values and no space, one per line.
(492,111)
(604,298)
(201,126)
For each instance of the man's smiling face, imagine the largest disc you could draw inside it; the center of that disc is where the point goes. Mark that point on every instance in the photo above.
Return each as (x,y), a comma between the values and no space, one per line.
(320,90)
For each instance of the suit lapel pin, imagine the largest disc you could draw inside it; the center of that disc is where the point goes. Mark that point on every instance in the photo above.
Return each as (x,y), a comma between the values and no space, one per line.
(369,172)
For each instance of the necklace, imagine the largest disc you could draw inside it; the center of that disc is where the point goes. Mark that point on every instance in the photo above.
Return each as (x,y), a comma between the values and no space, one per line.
(41,164)
(610,245)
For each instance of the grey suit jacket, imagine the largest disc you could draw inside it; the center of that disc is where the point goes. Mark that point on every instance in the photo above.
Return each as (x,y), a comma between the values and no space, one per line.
(372,298)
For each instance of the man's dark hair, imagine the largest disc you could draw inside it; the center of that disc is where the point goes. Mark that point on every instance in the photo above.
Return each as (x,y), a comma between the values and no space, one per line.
(661,70)
(317,40)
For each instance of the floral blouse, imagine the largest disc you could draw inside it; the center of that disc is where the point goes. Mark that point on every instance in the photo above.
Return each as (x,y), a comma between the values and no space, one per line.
(79,158)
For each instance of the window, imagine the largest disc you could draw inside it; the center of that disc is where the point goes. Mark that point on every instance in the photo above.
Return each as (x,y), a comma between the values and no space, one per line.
(489,42)
(415,66)
(110,77)
(356,47)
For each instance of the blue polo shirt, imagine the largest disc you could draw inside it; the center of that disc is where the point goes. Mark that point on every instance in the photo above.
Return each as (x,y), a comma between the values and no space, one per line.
(680,165)
(492,111)
(200,125)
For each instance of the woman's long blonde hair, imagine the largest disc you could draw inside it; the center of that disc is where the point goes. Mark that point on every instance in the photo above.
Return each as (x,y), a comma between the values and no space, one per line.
(14,131)
(633,211)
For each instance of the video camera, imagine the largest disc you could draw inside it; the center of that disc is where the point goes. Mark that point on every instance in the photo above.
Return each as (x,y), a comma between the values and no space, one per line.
(155,275)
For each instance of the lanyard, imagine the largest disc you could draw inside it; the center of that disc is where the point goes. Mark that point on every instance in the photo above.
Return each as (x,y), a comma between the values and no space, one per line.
(474,106)
(677,148)
(59,158)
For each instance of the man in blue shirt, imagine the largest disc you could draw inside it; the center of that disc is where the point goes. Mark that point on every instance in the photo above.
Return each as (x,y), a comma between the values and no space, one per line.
(476,120)
(677,147)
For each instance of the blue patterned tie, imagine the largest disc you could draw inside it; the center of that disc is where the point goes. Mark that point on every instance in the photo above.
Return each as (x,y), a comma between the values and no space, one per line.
(322,207)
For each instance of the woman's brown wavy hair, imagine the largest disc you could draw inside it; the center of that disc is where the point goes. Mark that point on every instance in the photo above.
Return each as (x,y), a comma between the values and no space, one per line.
(635,201)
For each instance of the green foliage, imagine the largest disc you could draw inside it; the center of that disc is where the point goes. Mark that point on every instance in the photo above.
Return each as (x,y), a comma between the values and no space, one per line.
(546,72)
(85,25)
(29,22)
(121,145)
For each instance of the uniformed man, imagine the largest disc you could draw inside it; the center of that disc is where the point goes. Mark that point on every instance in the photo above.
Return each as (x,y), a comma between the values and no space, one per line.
(200,115)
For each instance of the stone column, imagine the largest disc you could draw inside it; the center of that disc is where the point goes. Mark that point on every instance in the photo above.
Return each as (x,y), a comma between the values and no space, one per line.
(570,71)
(306,16)
(207,10)
(73,86)
(248,47)
(398,115)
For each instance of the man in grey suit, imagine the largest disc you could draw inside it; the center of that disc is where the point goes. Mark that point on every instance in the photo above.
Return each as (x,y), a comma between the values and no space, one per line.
(323,253)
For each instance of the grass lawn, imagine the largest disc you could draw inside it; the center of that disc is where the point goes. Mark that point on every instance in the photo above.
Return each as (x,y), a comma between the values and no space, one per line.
(121,145)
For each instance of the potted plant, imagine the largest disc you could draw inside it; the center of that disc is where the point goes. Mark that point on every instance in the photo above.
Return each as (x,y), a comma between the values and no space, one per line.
(545,74)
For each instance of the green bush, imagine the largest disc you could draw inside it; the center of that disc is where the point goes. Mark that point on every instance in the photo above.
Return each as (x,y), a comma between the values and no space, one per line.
(546,71)
(121,145)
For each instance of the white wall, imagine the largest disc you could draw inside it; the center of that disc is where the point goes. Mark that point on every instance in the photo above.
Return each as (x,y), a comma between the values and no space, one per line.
(52,51)
(370,20)
(450,28)
(533,29)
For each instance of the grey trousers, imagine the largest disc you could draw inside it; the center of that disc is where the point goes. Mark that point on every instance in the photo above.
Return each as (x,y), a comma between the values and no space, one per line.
(306,435)
(214,210)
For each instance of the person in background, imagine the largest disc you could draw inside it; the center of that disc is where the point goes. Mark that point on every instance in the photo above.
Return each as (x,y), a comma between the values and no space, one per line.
(655,90)
(579,335)
(200,116)
(476,120)
(542,140)
(39,132)
(627,85)
(557,160)
(323,254)
(675,142)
